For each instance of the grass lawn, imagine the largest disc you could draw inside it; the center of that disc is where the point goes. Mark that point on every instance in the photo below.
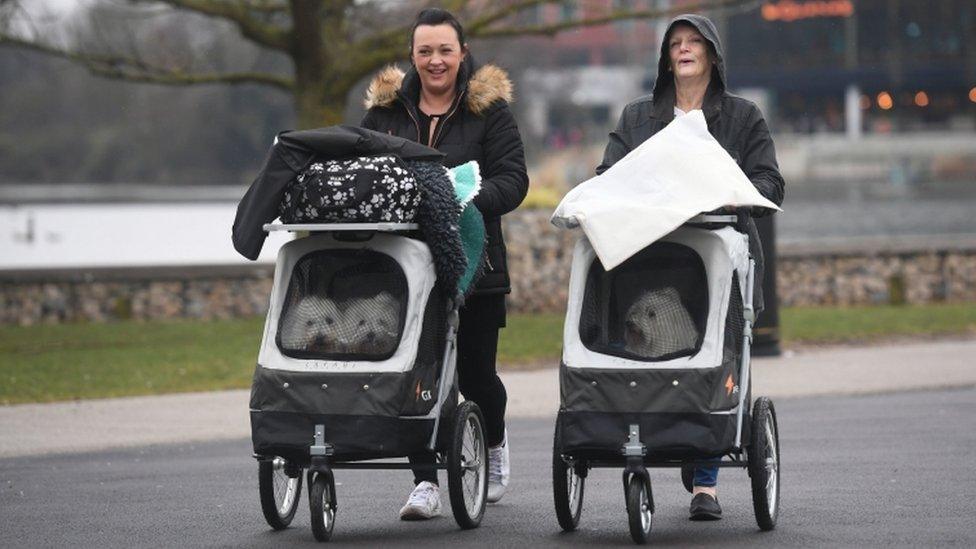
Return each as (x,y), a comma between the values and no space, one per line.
(64,362)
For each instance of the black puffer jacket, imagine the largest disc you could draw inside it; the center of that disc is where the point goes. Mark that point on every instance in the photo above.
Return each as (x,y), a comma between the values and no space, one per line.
(735,123)
(479,127)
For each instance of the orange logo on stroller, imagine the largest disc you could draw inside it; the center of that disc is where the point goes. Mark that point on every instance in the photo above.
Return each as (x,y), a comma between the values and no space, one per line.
(421,393)
(729,386)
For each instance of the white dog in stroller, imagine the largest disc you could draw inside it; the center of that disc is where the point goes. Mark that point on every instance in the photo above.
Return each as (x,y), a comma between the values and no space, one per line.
(658,324)
(361,326)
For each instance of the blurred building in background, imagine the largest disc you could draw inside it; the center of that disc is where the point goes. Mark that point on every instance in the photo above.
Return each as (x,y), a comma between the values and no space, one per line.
(878,66)
(813,66)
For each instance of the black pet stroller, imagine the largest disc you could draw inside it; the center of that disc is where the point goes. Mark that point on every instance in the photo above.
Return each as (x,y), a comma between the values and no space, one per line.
(357,363)
(655,372)
(357,360)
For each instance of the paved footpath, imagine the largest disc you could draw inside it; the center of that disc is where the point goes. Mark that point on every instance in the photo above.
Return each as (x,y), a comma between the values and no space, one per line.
(90,425)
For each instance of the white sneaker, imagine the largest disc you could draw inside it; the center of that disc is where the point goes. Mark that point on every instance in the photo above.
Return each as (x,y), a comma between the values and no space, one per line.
(424,503)
(498,470)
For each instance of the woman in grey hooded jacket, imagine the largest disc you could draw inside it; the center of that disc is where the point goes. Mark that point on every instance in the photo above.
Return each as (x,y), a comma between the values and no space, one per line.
(691,76)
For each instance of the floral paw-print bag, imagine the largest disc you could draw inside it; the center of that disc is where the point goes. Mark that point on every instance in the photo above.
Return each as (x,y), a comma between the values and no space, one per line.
(365,189)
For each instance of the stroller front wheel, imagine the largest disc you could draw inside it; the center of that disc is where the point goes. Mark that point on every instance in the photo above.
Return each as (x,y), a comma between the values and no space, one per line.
(322,505)
(640,511)
(280,488)
(467,466)
(764,463)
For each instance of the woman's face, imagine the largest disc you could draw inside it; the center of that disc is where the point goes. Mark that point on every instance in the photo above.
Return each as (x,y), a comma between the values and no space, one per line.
(437,54)
(688,52)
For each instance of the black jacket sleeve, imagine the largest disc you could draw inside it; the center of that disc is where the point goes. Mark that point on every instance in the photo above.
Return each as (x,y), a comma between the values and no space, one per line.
(759,161)
(369,120)
(505,180)
(618,146)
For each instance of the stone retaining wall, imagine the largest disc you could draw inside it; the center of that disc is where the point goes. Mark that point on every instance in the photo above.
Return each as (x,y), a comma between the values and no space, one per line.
(539,259)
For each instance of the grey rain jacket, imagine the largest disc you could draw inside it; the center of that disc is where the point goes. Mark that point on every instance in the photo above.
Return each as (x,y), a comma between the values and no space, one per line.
(736,124)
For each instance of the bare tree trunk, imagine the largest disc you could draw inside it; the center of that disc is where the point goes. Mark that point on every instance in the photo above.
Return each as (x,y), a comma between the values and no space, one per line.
(319,105)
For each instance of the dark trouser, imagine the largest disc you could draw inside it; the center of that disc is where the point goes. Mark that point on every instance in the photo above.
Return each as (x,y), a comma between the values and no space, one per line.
(480,319)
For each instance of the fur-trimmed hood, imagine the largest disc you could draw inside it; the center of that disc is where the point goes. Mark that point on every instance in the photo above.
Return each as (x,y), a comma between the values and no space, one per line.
(488,85)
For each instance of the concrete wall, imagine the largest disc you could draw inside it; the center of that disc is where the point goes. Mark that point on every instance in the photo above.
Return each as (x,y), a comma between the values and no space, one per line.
(867,271)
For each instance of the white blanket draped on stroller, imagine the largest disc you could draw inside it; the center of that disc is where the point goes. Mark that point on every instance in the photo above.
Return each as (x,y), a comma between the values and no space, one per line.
(675,175)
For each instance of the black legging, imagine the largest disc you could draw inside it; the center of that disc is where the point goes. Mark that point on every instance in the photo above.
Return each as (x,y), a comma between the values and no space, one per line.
(480,319)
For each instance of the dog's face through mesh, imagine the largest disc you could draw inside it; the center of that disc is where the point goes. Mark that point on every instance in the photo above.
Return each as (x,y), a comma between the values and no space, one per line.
(658,324)
(360,326)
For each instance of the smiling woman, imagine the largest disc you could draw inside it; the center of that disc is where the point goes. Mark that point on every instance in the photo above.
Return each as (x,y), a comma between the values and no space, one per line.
(445,101)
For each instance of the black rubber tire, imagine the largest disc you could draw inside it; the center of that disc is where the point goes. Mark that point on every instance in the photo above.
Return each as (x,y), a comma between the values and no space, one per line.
(764,463)
(567,513)
(266,488)
(321,506)
(467,519)
(639,501)
(688,477)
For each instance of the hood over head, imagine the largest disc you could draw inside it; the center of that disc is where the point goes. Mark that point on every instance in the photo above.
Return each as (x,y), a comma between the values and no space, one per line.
(704,25)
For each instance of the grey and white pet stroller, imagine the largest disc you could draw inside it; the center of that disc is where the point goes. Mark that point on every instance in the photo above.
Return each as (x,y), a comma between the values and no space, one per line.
(655,371)
(357,363)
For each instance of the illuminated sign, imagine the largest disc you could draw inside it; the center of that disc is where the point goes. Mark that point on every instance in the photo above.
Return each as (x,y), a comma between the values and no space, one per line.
(789,10)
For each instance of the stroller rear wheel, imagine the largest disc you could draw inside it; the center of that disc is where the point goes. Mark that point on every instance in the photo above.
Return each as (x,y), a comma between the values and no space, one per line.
(322,505)
(280,487)
(764,463)
(567,488)
(467,466)
(640,510)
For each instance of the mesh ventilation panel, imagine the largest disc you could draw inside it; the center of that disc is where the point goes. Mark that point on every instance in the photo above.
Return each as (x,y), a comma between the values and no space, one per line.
(652,307)
(343,305)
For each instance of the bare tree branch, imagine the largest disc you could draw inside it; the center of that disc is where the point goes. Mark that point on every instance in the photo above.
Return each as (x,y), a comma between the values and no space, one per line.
(475,25)
(136,70)
(615,15)
(238,13)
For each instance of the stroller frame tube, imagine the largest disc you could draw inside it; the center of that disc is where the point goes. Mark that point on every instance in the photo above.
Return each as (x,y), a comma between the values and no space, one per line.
(750,315)
(448,366)
(447,372)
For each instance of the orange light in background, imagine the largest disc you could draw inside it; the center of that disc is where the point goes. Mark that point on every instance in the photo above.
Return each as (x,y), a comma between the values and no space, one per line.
(865,102)
(922,99)
(972,95)
(885,101)
(791,10)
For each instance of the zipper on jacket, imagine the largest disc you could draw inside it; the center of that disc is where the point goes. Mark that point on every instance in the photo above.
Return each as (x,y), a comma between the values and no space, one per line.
(416,123)
(441,123)
(488,261)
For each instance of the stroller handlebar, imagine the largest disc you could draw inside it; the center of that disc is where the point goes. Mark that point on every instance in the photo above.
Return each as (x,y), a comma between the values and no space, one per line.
(709,218)
(331,227)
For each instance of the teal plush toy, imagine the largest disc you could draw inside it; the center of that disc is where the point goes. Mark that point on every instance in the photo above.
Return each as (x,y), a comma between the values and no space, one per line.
(467,184)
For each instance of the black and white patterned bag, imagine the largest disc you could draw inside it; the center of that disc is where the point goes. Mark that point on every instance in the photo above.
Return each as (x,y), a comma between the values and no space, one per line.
(366,189)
